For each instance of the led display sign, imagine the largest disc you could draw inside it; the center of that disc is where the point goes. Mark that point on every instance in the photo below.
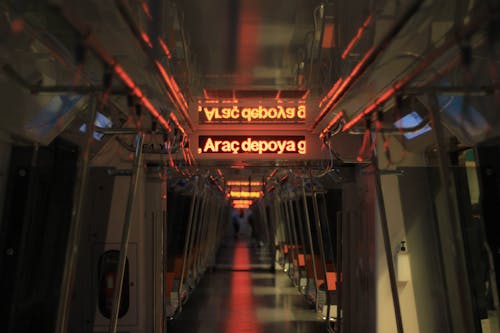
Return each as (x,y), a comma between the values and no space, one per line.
(236,114)
(252,144)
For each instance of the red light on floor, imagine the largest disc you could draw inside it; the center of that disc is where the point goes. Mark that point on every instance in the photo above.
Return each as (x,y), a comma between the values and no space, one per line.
(242,316)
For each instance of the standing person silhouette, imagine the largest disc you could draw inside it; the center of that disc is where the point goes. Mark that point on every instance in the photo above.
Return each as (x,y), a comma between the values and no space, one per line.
(236,223)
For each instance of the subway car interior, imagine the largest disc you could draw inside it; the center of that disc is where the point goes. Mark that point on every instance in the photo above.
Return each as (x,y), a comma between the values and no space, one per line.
(224,166)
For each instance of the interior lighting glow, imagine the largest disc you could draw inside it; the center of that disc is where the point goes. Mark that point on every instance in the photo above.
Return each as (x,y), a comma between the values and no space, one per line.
(146,39)
(372,107)
(245,194)
(356,38)
(136,91)
(165,48)
(332,122)
(241,206)
(330,92)
(343,86)
(258,113)
(244,183)
(257,144)
(242,202)
(147,11)
(177,123)
(174,90)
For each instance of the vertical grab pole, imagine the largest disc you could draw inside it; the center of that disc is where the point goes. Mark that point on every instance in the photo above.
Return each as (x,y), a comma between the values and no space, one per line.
(454,227)
(329,240)
(186,243)
(76,222)
(266,222)
(195,237)
(309,236)
(164,247)
(295,237)
(320,238)
(287,226)
(134,184)
(279,225)
(387,246)
(340,220)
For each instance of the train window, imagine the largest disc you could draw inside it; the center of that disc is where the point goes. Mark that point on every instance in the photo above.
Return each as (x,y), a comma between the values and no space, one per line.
(108,265)
(411,120)
(101,121)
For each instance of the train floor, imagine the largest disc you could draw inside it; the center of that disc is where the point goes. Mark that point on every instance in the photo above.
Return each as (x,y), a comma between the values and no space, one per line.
(243,295)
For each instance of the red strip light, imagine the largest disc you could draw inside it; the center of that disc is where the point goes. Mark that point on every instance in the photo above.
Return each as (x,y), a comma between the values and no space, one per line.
(179,98)
(357,37)
(147,11)
(342,87)
(173,86)
(146,39)
(241,207)
(245,194)
(177,123)
(372,107)
(165,48)
(335,119)
(138,93)
(243,183)
(330,93)
(242,201)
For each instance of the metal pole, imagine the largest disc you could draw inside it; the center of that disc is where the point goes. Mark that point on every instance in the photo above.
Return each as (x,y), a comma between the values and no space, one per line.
(296,238)
(455,242)
(201,240)
(75,224)
(164,252)
(388,250)
(271,233)
(195,235)
(134,184)
(280,234)
(340,220)
(288,237)
(300,224)
(212,235)
(329,240)
(265,221)
(309,236)
(320,236)
(186,243)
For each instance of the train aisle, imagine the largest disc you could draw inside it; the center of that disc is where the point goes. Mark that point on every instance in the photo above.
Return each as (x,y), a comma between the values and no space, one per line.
(242,295)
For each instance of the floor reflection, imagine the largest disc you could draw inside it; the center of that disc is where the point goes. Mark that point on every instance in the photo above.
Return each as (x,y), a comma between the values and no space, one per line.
(240,298)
